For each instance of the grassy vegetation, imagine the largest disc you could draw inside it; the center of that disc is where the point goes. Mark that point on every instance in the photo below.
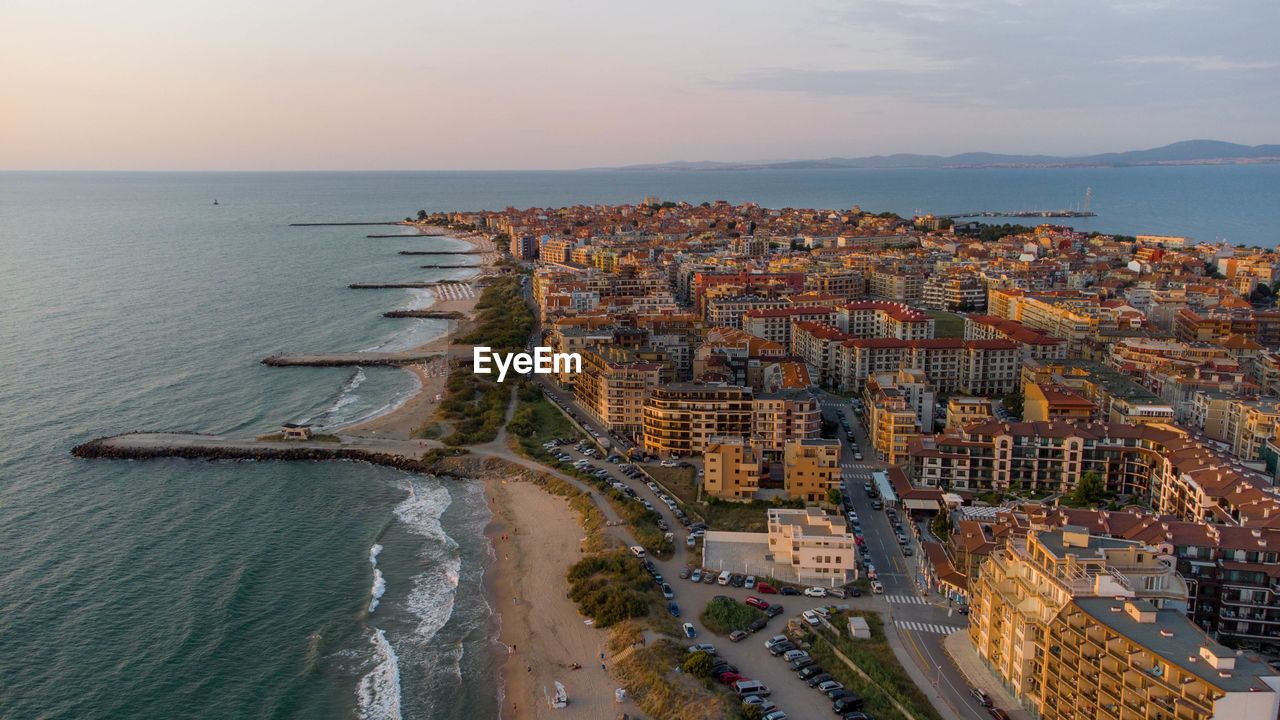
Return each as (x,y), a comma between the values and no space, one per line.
(718,514)
(477,408)
(875,658)
(611,588)
(505,321)
(536,421)
(658,691)
(724,616)
(946,324)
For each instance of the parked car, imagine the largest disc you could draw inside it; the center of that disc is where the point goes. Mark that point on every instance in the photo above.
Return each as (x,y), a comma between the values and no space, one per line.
(689,631)
(809,671)
(702,647)
(789,591)
(685,573)
(737,636)
(765,588)
(818,679)
(750,582)
(708,577)
(815,592)
(802,662)
(728,677)
(669,464)
(776,639)
(877,587)
(775,715)
(757,625)
(810,617)
(908,551)
(756,602)
(666,591)
(782,647)
(793,654)
(981,696)
(848,703)
(765,704)
(722,667)
(696,575)
(997,713)
(773,611)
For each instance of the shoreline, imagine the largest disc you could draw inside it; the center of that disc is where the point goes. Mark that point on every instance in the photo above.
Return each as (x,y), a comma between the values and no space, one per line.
(399,422)
(538,626)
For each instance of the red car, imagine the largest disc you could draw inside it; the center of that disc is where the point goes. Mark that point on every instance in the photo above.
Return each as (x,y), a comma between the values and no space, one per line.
(729,677)
(756,602)
(766,589)
(998,714)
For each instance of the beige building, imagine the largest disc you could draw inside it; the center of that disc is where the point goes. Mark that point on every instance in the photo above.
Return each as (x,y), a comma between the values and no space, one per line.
(782,416)
(681,418)
(1082,626)
(613,384)
(816,545)
(962,411)
(731,469)
(811,467)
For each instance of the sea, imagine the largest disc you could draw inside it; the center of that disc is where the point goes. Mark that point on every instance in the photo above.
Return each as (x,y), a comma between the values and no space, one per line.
(197,589)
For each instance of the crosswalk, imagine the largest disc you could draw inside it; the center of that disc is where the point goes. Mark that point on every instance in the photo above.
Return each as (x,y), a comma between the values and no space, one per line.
(927,627)
(905,599)
(855,466)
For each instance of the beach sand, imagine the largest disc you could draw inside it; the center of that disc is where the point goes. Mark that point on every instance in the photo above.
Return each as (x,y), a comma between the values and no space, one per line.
(528,590)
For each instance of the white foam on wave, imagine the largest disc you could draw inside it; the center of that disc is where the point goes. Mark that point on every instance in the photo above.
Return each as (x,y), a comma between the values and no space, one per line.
(347,397)
(431,599)
(396,402)
(379,582)
(378,693)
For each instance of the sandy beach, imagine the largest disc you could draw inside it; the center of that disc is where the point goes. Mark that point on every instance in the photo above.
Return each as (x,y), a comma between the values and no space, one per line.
(536,538)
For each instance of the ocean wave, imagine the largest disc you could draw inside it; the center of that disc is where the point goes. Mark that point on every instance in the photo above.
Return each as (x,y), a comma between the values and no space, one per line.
(397,401)
(379,582)
(346,397)
(378,693)
(431,598)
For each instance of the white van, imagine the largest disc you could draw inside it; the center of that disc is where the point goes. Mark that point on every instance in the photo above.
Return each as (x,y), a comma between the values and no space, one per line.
(637,551)
(751,687)
(724,577)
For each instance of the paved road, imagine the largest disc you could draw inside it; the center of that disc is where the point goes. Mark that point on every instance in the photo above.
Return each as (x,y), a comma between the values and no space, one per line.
(916,622)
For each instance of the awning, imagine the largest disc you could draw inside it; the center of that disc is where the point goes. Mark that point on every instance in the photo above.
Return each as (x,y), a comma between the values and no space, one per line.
(914,504)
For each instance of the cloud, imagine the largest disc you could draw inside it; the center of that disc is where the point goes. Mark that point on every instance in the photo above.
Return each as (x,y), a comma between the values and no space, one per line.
(1206,63)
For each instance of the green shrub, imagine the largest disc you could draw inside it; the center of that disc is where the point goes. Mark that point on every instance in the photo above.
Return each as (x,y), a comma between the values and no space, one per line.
(699,664)
(724,616)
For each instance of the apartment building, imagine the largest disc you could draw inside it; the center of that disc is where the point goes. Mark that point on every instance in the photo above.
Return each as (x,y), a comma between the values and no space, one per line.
(613,385)
(1081,626)
(811,466)
(963,411)
(1055,402)
(731,468)
(896,286)
(1249,425)
(681,418)
(872,319)
(781,416)
(816,545)
(524,247)
(729,310)
(1031,343)
(990,367)
(963,292)
(899,408)
(1072,319)
(775,325)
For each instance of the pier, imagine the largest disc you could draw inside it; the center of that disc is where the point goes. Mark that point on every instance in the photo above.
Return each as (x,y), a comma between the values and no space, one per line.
(392,286)
(400,454)
(345,224)
(442,252)
(1024,214)
(432,314)
(446,267)
(393,359)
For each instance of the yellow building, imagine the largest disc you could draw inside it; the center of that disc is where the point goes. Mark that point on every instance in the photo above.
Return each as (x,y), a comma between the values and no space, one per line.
(964,410)
(1249,425)
(811,466)
(816,545)
(1088,627)
(1054,402)
(731,469)
(613,384)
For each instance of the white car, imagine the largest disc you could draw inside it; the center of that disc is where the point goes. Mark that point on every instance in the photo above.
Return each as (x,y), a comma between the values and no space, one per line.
(750,582)
(810,618)
(669,463)
(815,592)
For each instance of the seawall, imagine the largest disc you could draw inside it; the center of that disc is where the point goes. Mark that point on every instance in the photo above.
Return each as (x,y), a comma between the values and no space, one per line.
(350,359)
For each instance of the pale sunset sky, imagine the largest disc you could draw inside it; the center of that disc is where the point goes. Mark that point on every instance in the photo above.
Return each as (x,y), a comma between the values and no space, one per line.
(483,84)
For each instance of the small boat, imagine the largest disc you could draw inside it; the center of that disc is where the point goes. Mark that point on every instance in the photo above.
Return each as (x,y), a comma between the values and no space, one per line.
(215,201)
(561,700)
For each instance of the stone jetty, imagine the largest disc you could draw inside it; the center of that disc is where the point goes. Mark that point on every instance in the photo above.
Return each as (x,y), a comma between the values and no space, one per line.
(393,285)
(354,358)
(441,252)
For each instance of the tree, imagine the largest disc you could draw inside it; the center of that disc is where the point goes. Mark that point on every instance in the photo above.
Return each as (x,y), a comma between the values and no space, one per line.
(422,215)
(1089,491)
(699,664)
(1014,403)
(941,525)
(833,496)
(751,711)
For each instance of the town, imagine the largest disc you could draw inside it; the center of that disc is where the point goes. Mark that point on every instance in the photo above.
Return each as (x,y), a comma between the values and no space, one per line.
(1052,454)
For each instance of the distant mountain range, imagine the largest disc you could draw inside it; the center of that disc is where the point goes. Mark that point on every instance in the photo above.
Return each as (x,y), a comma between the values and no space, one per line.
(1188,152)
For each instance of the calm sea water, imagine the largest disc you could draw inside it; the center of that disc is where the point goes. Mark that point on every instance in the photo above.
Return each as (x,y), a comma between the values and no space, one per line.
(242,590)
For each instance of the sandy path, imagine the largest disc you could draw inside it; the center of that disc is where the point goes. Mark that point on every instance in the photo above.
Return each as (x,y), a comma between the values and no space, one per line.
(543,625)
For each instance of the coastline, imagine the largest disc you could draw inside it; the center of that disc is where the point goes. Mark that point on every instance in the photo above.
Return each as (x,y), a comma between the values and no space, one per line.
(539,627)
(399,422)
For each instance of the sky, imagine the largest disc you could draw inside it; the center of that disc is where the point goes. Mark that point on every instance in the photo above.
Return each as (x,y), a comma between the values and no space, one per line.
(555,84)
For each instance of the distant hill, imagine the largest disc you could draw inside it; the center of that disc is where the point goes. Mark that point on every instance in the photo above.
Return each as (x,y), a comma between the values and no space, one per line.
(1188,152)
